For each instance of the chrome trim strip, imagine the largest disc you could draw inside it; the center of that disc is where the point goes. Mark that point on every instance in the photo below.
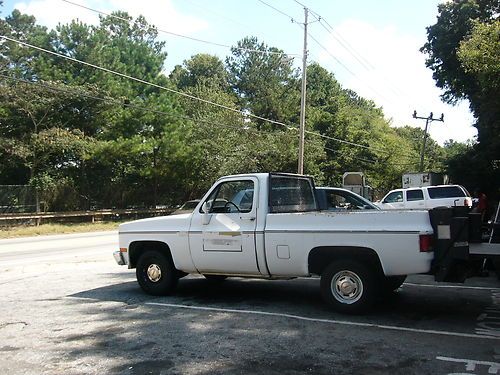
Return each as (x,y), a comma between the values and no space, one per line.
(154,232)
(314,231)
(281,231)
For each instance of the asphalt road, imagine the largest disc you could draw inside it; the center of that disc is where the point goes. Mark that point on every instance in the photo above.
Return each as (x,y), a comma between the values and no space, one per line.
(67,308)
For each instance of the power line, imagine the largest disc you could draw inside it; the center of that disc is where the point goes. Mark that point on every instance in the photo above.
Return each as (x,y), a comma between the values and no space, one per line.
(121,102)
(352,51)
(277,10)
(353,157)
(348,70)
(319,18)
(363,62)
(241,112)
(185,36)
(113,101)
(73,91)
(344,43)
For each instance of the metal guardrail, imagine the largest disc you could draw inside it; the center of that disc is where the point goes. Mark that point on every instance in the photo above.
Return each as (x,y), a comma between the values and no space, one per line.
(93,215)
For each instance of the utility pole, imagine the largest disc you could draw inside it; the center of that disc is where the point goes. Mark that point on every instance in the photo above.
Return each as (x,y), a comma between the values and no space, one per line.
(303,99)
(428,120)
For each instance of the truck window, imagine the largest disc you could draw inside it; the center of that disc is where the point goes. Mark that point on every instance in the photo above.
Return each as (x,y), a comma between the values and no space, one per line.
(395,196)
(231,197)
(291,194)
(445,192)
(414,195)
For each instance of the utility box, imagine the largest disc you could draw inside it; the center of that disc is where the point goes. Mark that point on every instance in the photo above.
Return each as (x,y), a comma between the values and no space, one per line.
(356,182)
(412,180)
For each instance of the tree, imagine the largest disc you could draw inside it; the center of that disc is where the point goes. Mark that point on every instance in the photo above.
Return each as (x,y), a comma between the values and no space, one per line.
(201,70)
(266,82)
(463,53)
(455,22)
(479,55)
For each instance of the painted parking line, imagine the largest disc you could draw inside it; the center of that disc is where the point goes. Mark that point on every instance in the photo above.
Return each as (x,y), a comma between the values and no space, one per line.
(328,321)
(471,364)
(453,286)
(425,285)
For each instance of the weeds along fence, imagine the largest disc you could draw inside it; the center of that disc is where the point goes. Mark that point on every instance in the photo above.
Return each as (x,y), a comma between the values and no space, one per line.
(18,207)
(12,219)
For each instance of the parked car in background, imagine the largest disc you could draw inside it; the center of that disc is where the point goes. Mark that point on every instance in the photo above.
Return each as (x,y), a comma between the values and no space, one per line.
(425,198)
(337,199)
(187,207)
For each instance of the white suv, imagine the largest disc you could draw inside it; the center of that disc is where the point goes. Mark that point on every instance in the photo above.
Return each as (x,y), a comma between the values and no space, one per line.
(426,197)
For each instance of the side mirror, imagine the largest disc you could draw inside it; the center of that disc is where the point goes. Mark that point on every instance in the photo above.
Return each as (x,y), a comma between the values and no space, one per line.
(205,219)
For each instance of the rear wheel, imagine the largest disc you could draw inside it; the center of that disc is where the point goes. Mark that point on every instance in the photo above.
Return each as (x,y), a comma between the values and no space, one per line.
(156,273)
(349,286)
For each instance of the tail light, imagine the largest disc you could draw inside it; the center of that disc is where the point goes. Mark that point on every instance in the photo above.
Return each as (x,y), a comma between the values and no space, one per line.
(425,243)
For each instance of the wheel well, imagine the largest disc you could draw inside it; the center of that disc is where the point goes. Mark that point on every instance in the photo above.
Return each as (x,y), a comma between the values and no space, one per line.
(321,257)
(137,248)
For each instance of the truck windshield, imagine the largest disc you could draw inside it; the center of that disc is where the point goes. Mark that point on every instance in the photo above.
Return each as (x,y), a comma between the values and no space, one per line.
(291,194)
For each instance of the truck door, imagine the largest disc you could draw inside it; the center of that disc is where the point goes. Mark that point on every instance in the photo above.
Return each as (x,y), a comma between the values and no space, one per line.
(222,232)
(415,199)
(393,201)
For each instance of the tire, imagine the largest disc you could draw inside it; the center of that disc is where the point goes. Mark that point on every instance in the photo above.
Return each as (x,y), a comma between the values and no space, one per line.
(392,283)
(156,273)
(215,278)
(349,287)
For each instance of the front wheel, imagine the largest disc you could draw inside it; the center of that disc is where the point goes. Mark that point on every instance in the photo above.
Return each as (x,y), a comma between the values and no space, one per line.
(349,286)
(156,273)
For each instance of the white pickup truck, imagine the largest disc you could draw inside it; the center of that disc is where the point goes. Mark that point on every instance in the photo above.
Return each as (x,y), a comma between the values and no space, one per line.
(268,225)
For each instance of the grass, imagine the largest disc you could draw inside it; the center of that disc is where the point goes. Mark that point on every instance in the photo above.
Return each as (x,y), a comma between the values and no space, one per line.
(46,229)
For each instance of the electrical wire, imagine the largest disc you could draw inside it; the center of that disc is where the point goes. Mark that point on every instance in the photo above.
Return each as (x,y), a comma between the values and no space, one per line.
(113,101)
(120,102)
(353,157)
(185,36)
(241,112)
(352,51)
(277,10)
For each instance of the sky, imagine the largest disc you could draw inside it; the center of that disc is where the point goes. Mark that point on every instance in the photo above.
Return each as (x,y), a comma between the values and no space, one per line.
(372,47)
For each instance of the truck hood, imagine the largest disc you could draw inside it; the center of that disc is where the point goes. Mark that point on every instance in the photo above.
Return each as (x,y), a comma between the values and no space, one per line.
(157,224)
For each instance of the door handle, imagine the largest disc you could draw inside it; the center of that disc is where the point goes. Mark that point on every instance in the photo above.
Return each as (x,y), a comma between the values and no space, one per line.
(249,218)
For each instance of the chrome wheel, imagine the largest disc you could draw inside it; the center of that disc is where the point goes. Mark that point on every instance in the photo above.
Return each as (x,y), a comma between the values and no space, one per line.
(154,273)
(346,287)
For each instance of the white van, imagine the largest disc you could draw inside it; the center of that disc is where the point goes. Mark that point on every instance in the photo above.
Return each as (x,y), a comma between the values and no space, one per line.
(425,198)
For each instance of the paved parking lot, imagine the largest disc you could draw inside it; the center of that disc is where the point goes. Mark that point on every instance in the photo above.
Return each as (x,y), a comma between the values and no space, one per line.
(66,307)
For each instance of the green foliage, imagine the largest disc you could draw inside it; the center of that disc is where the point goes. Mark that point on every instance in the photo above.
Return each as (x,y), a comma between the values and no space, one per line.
(464,52)
(480,52)
(266,83)
(85,138)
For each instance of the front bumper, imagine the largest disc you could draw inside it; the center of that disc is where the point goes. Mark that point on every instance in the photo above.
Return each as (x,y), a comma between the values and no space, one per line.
(118,255)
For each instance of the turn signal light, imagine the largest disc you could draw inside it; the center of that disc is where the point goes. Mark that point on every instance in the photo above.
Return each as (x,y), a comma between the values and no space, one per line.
(425,243)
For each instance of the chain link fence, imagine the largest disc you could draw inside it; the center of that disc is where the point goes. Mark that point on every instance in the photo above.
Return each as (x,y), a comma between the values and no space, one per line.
(17,198)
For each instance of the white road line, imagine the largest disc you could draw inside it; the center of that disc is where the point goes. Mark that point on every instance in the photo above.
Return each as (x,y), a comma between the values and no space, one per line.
(452,286)
(340,322)
(425,285)
(470,364)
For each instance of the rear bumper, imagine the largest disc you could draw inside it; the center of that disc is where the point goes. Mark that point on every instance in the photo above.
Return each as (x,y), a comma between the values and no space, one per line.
(118,255)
